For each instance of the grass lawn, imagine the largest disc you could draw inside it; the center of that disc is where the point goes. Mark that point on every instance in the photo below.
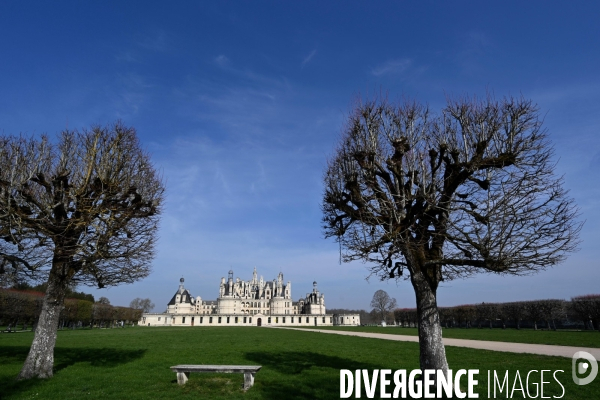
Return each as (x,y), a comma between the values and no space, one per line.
(559,337)
(133,363)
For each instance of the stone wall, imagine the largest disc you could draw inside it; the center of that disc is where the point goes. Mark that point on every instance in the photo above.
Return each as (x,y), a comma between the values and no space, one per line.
(152,319)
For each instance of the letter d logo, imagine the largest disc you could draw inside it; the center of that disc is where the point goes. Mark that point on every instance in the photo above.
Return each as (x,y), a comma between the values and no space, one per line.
(582,367)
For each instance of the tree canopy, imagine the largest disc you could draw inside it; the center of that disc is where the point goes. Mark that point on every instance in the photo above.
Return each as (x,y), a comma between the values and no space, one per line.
(146,305)
(93,194)
(470,189)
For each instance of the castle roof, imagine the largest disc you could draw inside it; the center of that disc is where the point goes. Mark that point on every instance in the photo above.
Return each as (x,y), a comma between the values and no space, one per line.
(186,297)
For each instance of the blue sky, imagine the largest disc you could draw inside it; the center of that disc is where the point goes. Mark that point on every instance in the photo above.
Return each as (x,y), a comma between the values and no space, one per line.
(241,103)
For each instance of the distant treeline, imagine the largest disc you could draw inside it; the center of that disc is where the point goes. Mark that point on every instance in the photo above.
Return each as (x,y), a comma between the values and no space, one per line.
(71,294)
(580,312)
(22,309)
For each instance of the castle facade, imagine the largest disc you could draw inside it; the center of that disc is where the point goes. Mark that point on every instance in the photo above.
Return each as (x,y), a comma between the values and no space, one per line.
(242,303)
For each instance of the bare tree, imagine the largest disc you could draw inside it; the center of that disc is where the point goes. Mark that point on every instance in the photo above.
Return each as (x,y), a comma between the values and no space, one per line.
(444,196)
(383,304)
(103,300)
(146,305)
(587,309)
(81,210)
(516,311)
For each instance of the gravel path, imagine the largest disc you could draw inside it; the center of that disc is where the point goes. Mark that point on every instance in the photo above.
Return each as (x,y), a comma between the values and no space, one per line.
(543,349)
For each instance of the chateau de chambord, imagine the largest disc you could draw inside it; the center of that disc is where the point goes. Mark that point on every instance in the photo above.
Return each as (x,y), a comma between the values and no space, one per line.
(255,302)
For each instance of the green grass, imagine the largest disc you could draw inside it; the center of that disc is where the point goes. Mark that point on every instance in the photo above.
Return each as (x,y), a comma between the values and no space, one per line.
(134,363)
(559,337)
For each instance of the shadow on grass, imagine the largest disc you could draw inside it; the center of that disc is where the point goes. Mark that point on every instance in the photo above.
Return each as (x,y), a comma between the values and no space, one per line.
(63,358)
(295,362)
(307,377)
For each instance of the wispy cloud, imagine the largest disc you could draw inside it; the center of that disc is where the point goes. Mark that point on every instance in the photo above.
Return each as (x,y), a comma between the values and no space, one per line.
(474,50)
(155,41)
(222,61)
(133,92)
(126,56)
(309,57)
(392,67)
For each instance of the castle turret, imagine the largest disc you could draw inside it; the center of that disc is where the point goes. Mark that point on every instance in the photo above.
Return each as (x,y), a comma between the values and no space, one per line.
(222,287)
(230,283)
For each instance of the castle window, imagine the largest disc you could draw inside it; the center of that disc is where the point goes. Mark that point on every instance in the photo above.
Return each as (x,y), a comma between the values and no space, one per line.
(174,319)
(307,320)
(219,320)
(183,320)
(244,320)
(210,320)
(284,320)
(269,320)
(331,319)
(236,320)
(201,319)
(159,318)
(250,319)
(276,320)
(323,319)
(227,319)
(292,320)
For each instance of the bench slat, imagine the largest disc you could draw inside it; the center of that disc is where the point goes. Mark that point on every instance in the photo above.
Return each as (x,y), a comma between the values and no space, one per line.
(183,371)
(216,368)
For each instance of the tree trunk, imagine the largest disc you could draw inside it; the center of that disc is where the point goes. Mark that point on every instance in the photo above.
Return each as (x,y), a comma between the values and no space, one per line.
(40,360)
(432,351)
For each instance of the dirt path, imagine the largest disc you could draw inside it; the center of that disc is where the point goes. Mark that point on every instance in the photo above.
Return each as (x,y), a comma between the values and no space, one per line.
(543,349)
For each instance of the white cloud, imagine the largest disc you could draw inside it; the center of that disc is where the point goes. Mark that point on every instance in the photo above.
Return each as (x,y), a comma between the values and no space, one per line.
(309,57)
(392,67)
(156,41)
(222,61)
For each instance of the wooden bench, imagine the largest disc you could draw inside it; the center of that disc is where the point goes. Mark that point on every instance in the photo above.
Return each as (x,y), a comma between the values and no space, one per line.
(183,371)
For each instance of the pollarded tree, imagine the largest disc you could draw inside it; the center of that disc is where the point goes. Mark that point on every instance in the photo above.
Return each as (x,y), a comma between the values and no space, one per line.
(516,311)
(81,210)
(437,197)
(383,304)
(587,309)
